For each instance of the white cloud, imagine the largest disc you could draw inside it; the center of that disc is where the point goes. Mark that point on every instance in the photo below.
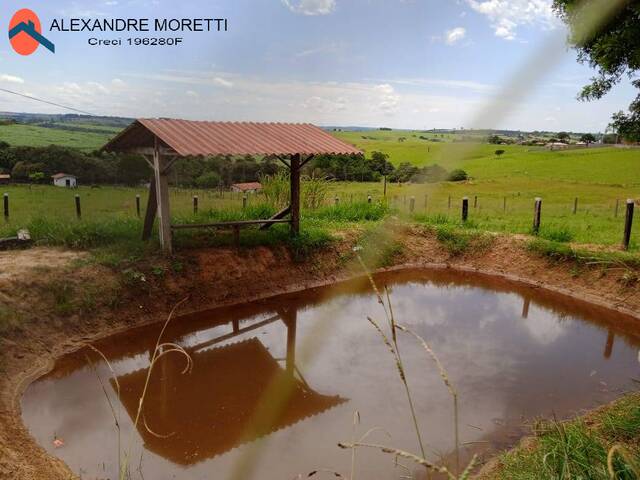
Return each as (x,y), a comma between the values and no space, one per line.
(507,15)
(221,82)
(453,36)
(192,94)
(311,7)
(10,78)
(116,82)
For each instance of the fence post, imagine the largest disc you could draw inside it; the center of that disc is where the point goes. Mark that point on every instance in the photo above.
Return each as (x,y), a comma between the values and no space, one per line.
(449,204)
(337,200)
(244,201)
(628,223)
(475,201)
(6,207)
(536,215)
(405,201)
(465,208)
(195,204)
(426,200)
(138,205)
(615,213)
(369,199)
(504,204)
(412,204)
(575,206)
(384,191)
(78,209)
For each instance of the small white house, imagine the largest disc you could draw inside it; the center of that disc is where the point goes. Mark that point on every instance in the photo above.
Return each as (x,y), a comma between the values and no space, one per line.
(65,180)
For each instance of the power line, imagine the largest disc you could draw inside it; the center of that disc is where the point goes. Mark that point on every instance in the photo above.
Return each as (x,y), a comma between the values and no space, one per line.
(46,101)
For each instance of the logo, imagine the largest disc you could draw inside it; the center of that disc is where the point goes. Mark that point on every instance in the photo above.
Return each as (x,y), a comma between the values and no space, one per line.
(25,33)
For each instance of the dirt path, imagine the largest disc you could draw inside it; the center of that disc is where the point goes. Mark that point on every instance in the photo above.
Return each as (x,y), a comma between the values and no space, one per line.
(212,278)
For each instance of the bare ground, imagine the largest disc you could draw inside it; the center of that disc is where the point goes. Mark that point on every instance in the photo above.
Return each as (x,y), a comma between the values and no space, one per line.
(63,302)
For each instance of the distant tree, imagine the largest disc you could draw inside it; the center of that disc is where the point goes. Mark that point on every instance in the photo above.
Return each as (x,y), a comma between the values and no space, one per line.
(208,180)
(458,175)
(563,137)
(587,138)
(613,49)
(380,163)
(628,126)
(499,152)
(37,177)
(494,139)
(404,172)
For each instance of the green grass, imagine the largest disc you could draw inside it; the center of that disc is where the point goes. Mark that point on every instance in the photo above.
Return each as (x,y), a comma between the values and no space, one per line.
(35,136)
(579,448)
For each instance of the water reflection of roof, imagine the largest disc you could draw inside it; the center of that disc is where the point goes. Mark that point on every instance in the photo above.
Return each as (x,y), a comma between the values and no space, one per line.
(210,410)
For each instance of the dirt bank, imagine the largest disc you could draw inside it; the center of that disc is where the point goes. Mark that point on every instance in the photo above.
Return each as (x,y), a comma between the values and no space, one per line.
(62,301)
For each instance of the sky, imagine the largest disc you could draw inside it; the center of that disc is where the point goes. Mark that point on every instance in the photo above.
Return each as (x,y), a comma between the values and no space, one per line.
(416,64)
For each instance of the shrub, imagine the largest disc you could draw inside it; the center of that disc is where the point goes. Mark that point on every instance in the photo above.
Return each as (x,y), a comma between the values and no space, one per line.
(457,175)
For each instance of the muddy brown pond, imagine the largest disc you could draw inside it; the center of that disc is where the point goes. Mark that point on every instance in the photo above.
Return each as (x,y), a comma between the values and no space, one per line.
(514,353)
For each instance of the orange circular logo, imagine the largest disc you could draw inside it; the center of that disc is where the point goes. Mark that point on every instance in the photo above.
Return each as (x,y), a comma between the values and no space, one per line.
(21,29)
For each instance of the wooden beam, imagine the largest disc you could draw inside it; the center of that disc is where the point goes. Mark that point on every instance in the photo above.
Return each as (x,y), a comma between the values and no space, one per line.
(162,191)
(295,194)
(150,214)
(281,214)
(307,160)
(239,223)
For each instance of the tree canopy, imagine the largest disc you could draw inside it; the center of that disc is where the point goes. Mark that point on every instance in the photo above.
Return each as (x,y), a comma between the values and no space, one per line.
(613,50)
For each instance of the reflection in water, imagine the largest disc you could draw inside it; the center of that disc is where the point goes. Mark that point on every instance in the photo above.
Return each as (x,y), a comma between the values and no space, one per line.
(209,410)
(513,353)
(608,349)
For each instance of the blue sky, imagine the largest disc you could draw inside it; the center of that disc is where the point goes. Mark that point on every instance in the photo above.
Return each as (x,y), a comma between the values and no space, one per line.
(398,63)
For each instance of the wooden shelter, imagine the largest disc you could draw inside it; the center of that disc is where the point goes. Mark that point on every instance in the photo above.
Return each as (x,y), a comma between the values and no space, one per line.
(164,141)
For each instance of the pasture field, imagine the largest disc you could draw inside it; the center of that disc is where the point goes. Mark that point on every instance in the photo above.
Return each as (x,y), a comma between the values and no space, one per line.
(36,136)
(505,187)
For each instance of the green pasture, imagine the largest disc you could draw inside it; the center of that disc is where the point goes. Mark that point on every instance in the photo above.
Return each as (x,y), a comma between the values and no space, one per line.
(36,136)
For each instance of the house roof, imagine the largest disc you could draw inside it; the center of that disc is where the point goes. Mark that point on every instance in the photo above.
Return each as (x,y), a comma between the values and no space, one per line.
(248,186)
(62,175)
(200,138)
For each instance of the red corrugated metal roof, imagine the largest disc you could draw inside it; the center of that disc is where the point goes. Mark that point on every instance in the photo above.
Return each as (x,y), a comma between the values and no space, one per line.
(198,138)
(248,186)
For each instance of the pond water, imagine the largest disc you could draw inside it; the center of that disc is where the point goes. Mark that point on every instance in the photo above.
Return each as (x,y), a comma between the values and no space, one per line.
(275,383)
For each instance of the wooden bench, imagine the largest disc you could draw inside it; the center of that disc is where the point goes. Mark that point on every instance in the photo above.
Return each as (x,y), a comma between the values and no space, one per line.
(235,226)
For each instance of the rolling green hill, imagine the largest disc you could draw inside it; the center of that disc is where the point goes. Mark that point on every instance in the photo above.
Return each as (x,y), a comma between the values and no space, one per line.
(38,136)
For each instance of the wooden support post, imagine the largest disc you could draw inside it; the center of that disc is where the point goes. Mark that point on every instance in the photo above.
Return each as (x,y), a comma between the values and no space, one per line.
(575,206)
(537,213)
(162,192)
(150,212)
(195,204)
(615,213)
(138,205)
(628,223)
(244,202)
(78,209)
(465,208)
(295,194)
(412,204)
(5,198)
(236,236)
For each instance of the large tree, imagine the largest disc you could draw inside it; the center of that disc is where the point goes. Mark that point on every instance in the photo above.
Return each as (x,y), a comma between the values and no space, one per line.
(612,48)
